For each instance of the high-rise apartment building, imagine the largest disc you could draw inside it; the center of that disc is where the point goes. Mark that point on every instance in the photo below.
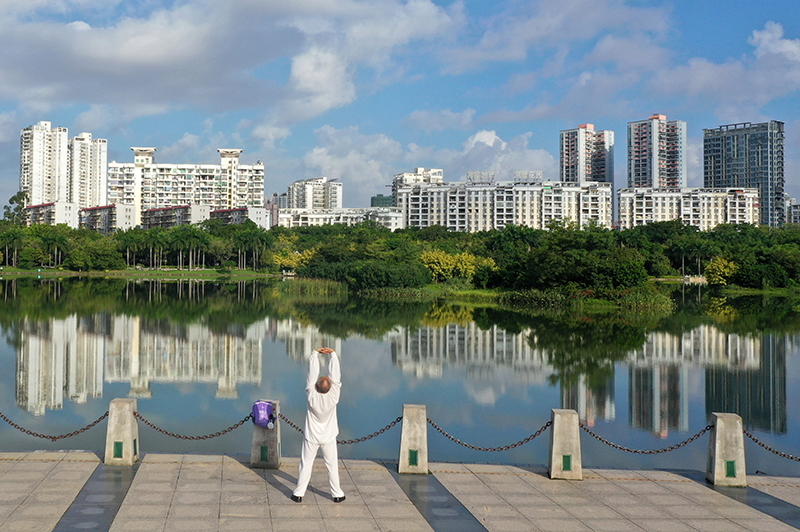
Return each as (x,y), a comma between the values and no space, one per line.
(587,155)
(315,193)
(43,163)
(87,167)
(748,155)
(150,185)
(657,153)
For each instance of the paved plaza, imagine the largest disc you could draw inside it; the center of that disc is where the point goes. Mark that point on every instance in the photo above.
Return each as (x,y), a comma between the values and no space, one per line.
(170,492)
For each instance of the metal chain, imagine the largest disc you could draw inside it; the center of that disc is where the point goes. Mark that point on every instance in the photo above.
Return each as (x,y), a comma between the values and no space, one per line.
(376,433)
(347,442)
(54,438)
(182,437)
(645,451)
(770,449)
(490,449)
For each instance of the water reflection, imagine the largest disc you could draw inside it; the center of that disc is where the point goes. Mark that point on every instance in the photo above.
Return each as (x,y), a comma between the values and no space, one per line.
(70,357)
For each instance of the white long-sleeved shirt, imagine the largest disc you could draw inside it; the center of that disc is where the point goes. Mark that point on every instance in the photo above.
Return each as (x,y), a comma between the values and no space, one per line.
(322,425)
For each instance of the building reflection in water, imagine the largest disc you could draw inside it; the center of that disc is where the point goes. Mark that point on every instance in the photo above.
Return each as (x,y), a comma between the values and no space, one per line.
(71,359)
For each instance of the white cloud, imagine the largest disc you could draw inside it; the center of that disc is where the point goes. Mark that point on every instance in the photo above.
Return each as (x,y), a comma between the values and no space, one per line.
(739,88)
(320,80)
(270,134)
(546,24)
(441,120)
(637,52)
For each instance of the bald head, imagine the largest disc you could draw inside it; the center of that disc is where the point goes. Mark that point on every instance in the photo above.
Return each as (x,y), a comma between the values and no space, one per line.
(323,385)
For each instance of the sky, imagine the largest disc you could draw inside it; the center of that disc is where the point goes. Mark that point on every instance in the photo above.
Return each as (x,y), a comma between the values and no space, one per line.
(361,90)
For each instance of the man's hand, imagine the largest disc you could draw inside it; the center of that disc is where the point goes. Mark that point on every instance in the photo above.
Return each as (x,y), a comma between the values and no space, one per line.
(325,350)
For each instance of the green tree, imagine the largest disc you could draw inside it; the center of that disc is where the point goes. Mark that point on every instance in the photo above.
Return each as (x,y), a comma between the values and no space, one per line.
(14,212)
(719,271)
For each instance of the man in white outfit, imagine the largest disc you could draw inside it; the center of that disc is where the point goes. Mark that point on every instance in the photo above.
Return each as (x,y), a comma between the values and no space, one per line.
(322,426)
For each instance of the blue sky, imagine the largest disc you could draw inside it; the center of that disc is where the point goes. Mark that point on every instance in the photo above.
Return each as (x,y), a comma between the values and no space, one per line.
(361,90)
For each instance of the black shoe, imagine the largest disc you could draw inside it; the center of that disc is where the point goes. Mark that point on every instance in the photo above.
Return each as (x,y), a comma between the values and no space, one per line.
(339,499)
(295,498)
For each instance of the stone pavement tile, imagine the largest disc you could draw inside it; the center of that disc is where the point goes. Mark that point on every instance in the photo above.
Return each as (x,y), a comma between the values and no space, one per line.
(444,467)
(618,474)
(152,458)
(253,498)
(191,525)
(195,497)
(13,498)
(547,512)
(31,509)
(202,458)
(614,499)
(29,524)
(250,511)
(63,499)
(527,499)
(741,511)
(351,525)
(508,524)
(345,510)
(303,511)
(664,499)
(481,500)
(494,510)
(559,525)
(149,511)
(713,525)
(231,524)
(81,456)
(585,512)
(141,486)
(45,456)
(138,524)
(297,525)
(146,498)
(199,486)
(663,525)
(660,475)
(641,487)
(571,500)
(691,511)
(612,525)
(764,525)
(641,511)
(487,468)
(403,525)
(194,511)
(393,511)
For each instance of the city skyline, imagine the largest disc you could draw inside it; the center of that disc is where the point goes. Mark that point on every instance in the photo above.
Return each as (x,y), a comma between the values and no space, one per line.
(361,94)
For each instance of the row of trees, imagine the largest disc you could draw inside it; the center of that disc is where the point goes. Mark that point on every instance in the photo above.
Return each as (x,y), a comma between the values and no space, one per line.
(369,256)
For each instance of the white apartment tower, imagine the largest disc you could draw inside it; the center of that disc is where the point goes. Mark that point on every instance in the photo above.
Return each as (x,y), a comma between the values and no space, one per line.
(657,153)
(587,155)
(315,193)
(43,163)
(88,171)
(149,185)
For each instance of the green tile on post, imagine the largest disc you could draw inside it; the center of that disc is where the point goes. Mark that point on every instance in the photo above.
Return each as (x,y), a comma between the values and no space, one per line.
(135,450)
(117,449)
(413,457)
(730,468)
(265,453)
(566,462)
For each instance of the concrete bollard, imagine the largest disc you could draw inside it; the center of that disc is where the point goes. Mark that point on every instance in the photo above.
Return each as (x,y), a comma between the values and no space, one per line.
(726,466)
(122,435)
(414,440)
(565,446)
(265,452)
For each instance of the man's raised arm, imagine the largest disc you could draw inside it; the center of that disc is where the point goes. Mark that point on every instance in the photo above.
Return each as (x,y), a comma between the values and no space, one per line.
(313,370)
(334,372)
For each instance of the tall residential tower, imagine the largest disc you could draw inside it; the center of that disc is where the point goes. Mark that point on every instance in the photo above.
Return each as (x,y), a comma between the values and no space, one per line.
(43,163)
(587,155)
(657,153)
(748,156)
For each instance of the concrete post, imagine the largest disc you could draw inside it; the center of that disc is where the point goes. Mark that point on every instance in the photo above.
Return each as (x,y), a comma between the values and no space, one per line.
(265,453)
(726,465)
(122,436)
(414,440)
(565,446)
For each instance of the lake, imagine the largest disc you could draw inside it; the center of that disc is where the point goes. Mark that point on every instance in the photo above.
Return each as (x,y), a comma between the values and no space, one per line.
(197,354)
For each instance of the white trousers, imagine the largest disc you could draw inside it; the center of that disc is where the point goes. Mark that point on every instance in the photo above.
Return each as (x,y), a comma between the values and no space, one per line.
(330,455)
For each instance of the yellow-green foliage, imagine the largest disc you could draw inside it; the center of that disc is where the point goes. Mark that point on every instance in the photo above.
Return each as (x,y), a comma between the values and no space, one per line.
(444,266)
(291,260)
(719,270)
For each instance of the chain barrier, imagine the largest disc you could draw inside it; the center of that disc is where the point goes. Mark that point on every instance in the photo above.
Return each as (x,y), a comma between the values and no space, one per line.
(54,438)
(770,449)
(489,449)
(645,451)
(347,442)
(182,437)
